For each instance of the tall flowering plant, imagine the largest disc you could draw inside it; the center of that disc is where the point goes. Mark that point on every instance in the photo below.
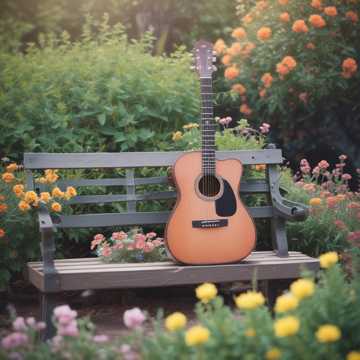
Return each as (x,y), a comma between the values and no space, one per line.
(134,246)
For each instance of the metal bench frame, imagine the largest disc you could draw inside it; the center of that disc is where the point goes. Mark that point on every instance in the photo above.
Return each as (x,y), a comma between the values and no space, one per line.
(53,276)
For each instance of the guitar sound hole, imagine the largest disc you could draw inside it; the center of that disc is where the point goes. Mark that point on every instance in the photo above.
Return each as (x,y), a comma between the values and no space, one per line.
(209,185)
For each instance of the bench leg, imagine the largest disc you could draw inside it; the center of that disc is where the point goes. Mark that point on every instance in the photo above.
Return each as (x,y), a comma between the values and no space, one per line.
(47,305)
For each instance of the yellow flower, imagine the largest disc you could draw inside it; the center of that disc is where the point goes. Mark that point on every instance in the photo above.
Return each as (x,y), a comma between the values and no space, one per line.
(51,176)
(206,292)
(177,136)
(315,201)
(8,177)
(250,300)
(328,259)
(18,190)
(31,197)
(302,288)
(273,354)
(56,192)
(353,355)
(71,192)
(175,321)
(286,303)
(45,197)
(190,126)
(12,167)
(197,335)
(250,332)
(24,206)
(41,180)
(286,326)
(55,206)
(328,333)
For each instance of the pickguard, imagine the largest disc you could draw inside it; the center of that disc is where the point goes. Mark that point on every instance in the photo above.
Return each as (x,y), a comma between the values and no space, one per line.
(226,205)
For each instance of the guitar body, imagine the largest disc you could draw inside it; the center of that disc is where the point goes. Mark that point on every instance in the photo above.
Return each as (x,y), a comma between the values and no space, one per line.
(209,229)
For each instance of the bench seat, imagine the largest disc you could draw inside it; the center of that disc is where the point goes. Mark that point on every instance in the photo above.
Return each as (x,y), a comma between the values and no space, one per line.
(92,273)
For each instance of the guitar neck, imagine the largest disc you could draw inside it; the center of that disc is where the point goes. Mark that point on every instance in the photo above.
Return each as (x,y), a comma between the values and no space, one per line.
(207,127)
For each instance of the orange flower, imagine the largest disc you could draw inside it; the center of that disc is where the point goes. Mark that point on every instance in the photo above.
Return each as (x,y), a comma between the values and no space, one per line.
(264,33)
(315,201)
(247,49)
(30,197)
(317,21)
(262,5)
(262,93)
(245,109)
(18,190)
(267,79)
(283,2)
(24,206)
(71,191)
(55,206)
(226,59)
(330,11)
(12,167)
(285,17)
(290,62)
(239,33)
(239,88)
(300,26)
(260,167)
(349,67)
(316,4)
(235,49)
(3,208)
(282,69)
(2,233)
(219,46)
(352,15)
(247,19)
(341,197)
(2,197)
(56,192)
(310,46)
(331,201)
(51,176)
(8,177)
(231,73)
(45,197)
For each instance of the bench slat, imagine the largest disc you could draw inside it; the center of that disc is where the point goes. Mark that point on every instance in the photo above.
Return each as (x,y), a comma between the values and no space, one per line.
(134,218)
(138,159)
(100,276)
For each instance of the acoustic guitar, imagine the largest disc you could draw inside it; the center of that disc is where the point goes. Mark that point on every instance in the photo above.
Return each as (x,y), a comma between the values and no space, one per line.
(209,224)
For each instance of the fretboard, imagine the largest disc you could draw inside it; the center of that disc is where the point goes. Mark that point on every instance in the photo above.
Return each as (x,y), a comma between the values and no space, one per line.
(207,127)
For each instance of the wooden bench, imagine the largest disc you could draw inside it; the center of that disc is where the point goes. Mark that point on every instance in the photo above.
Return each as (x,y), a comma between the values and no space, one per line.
(52,276)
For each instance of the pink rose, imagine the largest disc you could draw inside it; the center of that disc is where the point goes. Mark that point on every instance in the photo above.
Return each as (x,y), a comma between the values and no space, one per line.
(69,329)
(13,340)
(346,177)
(158,242)
(19,324)
(119,245)
(100,339)
(264,128)
(98,239)
(119,235)
(342,157)
(140,244)
(323,164)
(106,251)
(140,237)
(133,318)
(64,315)
(149,246)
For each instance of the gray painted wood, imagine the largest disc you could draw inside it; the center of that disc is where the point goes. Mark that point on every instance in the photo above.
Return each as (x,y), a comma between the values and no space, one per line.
(130,190)
(133,218)
(269,266)
(138,159)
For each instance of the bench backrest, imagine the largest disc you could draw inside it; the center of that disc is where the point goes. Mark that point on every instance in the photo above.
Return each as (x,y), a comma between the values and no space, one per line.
(131,161)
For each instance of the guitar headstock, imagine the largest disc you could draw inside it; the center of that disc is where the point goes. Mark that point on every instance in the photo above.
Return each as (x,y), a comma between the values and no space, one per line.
(204,58)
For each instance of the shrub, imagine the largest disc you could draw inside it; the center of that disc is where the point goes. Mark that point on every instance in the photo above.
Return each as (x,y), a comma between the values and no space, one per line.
(295,65)
(101,93)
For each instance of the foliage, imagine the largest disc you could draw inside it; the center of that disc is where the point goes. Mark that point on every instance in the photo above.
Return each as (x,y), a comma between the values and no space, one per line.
(19,240)
(101,93)
(334,220)
(133,246)
(295,65)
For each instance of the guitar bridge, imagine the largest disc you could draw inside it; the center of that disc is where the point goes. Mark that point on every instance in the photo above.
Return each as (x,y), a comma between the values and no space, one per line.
(204,224)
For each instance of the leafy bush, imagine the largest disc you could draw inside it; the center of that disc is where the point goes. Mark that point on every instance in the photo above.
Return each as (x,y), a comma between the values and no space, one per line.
(101,93)
(295,65)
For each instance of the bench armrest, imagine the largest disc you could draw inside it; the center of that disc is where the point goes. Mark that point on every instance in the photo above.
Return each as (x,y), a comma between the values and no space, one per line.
(45,221)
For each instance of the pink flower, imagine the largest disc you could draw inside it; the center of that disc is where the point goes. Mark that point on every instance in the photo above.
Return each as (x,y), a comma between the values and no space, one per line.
(140,244)
(139,237)
(64,315)
(340,224)
(118,245)
(158,242)
(310,187)
(100,339)
(31,322)
(343,157)
(149,247)
(299,183)
(304,162)
(346,177)
(264,128)
(13,340)
(131,246)
(98,239)
(225,121)
(133,318)
(353,205)
(119,235)
(150,235)
(355,235)
(127,353)
(69,329)
(56,343)
(323,164)
(106,251)
(19,324)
